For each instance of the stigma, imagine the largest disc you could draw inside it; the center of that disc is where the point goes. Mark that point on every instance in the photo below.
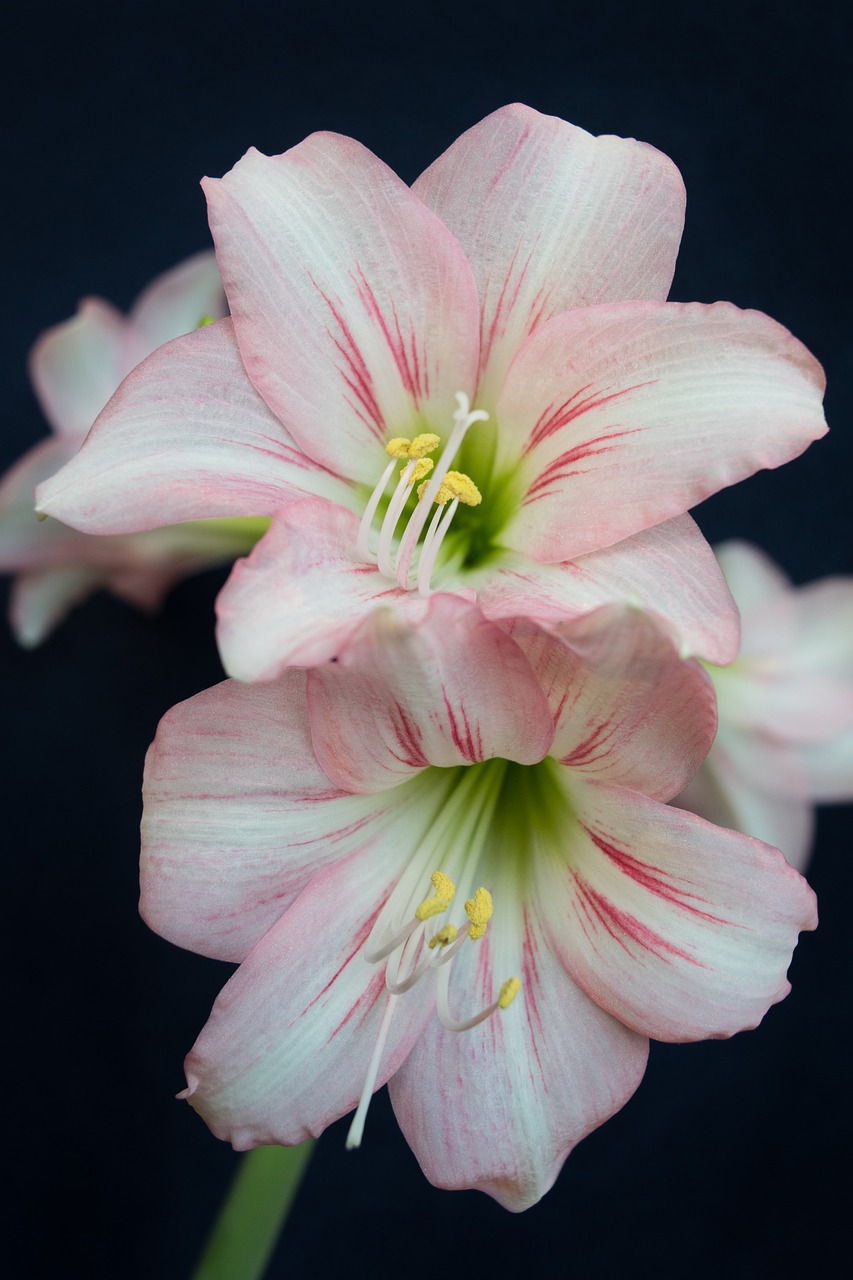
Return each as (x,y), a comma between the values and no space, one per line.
(423,947)
(439,486)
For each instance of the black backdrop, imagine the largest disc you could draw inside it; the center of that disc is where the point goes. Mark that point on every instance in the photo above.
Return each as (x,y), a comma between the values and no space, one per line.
(732,1155)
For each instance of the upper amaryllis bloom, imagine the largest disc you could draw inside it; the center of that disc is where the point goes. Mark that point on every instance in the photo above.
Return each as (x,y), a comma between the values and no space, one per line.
(501,331)
(785,737)
(446,861)
(75,368)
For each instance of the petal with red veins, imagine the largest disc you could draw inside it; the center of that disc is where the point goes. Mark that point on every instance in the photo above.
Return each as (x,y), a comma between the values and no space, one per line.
(453,690)
(552,219)
(288,1043)
(238,816)
(76,366)
(628,710)
(500,1106)
(185,437)
(668,570)
(179,300)
(680,929)
(354,306)
(301,594)
(616,417)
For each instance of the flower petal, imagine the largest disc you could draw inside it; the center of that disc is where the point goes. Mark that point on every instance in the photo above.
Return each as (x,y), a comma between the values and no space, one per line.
(179,300)
(185,437)
(41,598)
(76,366)
(625,415)
(668,570)
(238,816)
(681,929)
(301,594)
(499,1107)
(772,809)
(355,309)
(453,690)
(288,1043)
(628,710)
(551,219)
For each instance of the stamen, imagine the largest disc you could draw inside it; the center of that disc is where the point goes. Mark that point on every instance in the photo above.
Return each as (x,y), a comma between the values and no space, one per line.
(508,991)
(440,900)
(479,911)
(373,501)
(463,418)
(444,937)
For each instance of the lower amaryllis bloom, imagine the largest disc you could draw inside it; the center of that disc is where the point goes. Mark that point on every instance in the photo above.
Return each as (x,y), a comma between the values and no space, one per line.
(501,331)
(447,862)
(75,368)
(785,737)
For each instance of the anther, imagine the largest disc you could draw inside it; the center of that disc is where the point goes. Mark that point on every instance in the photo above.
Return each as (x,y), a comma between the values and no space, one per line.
(443,895)
(509,990)
(421,468)
(479,911)
(444,937)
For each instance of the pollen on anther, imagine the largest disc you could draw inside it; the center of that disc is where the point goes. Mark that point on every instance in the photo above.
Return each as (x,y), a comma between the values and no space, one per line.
(443,895)
(444,937)
(479,911)
(403,447)
(456,485)
(509,990)
(421,468)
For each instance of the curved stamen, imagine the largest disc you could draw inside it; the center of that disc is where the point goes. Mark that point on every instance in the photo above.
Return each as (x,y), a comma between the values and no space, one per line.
(463,418)
(356,1129)
(362,542)
(508,991)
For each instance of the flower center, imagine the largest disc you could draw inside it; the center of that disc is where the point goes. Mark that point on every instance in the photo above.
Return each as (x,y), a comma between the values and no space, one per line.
(441,486)
(420,947)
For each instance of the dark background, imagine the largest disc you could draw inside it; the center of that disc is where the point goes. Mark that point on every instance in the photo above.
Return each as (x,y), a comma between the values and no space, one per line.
(733,1156)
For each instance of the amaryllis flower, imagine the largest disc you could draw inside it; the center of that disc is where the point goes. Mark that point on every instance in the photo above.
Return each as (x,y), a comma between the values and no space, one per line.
(785,737)
(75,368)
(446,861)
(501,331)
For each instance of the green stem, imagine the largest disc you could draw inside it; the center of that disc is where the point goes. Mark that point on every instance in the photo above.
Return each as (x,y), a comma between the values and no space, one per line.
(254,1212)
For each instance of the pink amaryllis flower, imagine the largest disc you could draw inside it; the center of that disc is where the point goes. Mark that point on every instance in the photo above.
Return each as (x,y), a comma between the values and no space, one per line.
(446,862)
(501,331)
(75,367)
(785,737)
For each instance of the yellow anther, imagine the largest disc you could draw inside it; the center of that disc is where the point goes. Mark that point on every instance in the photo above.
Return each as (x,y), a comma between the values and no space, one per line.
(444,893)
(456,485)
(444,937)
(422,445)
(419,470)
(509,990)
(403,447)
(479,911)
(398,447)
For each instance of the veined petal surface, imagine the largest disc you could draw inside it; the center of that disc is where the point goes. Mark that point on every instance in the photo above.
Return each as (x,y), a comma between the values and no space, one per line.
(354,307)
(179,300)
(552,218)
(185,437)
(76,366)
(453,690)
(627,414)
(680,929)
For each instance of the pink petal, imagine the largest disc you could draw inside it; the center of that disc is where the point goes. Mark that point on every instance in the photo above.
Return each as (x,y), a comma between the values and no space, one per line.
(680,929)
(772,810)
(628,710)
(25,541)
(186,437)
(625,415)
(453,690)
(301,594)
(76,366)
(500,1107)
(287,1046)
(239,816)
(551,219)
(177,301)
(668,570)
(355,309)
